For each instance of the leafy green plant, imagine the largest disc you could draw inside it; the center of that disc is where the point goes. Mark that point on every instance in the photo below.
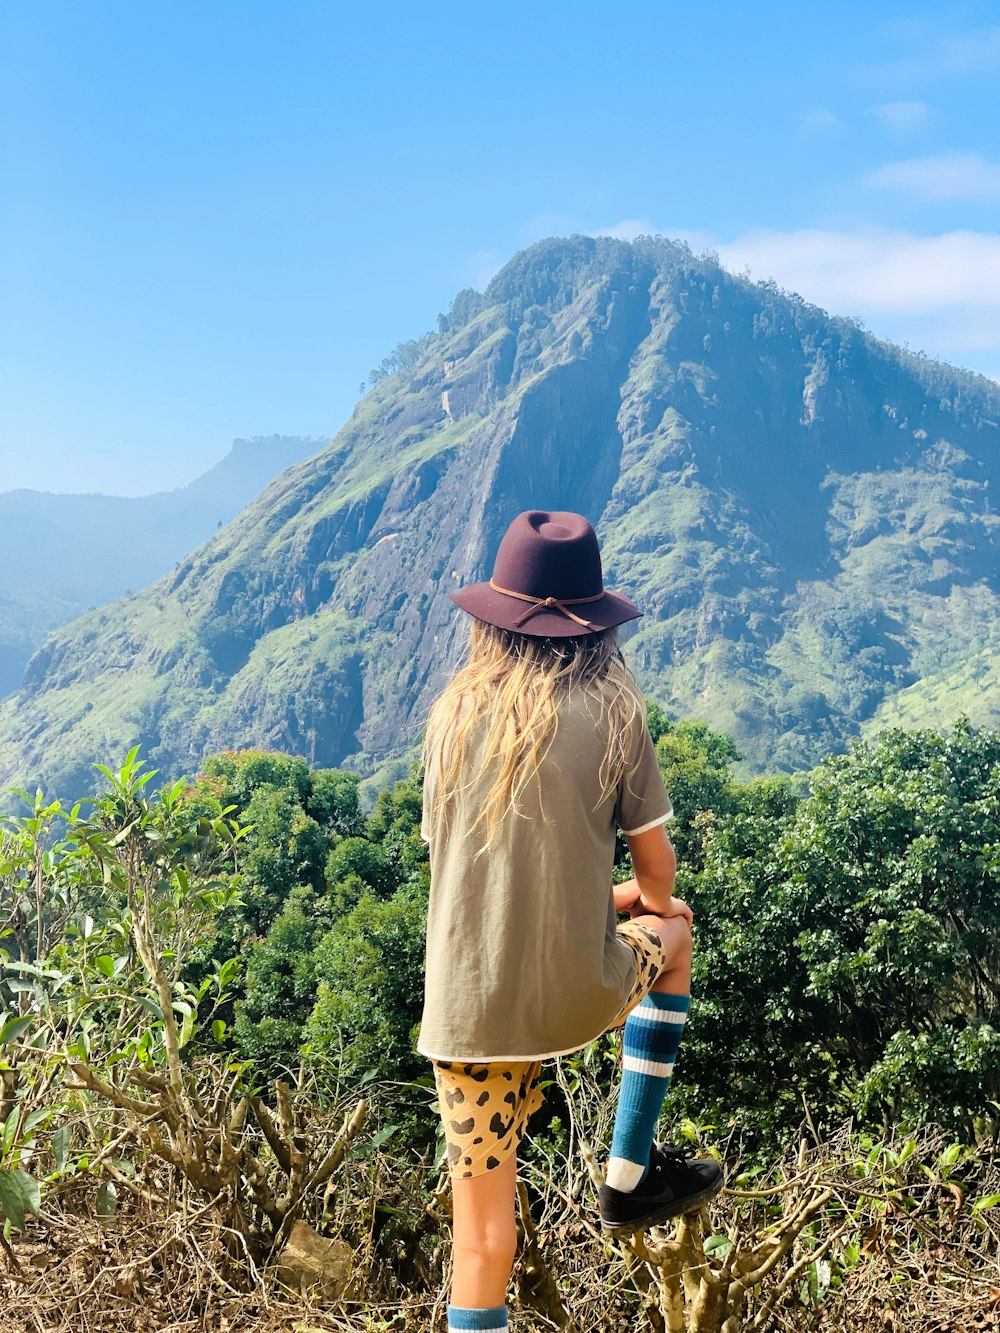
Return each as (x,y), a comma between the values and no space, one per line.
(845,957)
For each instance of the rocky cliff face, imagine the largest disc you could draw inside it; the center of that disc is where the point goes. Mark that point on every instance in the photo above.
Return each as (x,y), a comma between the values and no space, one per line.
(803,513)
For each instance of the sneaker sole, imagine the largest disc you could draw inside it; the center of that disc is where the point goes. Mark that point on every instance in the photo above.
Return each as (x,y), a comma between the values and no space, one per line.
(689,1205)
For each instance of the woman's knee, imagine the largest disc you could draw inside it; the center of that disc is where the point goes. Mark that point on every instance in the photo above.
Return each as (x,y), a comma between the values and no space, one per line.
(683,943)
(484,1226)
(487,1249)
(675,936)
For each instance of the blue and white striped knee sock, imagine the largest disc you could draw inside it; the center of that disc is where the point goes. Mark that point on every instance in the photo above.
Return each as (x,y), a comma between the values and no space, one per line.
(493,1318)
(649,1046)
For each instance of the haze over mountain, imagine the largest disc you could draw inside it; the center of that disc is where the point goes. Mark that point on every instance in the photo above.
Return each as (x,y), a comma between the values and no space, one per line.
(803,511)
(61,554)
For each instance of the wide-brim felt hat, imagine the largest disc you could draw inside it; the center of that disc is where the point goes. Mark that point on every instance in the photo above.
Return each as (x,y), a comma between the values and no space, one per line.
(547,580)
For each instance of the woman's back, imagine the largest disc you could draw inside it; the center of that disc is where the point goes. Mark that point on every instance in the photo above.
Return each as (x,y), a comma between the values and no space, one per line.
(522,956)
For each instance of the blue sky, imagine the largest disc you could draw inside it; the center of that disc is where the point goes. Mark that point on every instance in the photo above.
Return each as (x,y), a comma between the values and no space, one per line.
(218,217)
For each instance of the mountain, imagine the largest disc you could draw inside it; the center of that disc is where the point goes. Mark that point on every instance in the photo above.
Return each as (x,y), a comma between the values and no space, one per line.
(804,513)
(60,554)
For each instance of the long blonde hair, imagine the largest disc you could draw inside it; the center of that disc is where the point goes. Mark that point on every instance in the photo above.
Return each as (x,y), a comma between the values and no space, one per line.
(517,682)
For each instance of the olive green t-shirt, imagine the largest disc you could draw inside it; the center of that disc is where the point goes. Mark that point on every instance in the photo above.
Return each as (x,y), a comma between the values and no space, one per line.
(522,957)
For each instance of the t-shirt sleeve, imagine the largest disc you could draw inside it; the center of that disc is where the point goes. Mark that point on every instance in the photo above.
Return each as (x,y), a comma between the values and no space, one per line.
(642,798)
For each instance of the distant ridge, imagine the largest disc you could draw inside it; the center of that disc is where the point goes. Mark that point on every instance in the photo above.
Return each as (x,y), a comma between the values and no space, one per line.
(803,511)
(63,553)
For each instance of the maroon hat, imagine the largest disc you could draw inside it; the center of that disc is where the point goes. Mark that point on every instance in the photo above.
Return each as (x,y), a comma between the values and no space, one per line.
(547,580)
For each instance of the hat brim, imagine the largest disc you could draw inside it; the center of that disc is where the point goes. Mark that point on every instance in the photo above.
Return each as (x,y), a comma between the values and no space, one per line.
(496,608)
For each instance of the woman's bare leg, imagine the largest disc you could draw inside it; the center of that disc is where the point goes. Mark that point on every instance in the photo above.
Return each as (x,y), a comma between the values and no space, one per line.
(674,931)
(484,1236)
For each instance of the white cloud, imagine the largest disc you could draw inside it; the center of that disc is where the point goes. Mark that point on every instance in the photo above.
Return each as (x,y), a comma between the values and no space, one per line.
(939,294)
(876,270)
(950,176)
(955,55)
(901,117)
(974,52)
(819,120)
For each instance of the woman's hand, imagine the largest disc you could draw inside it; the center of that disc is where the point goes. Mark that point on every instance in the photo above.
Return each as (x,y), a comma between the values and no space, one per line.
(626,895)
(676,907)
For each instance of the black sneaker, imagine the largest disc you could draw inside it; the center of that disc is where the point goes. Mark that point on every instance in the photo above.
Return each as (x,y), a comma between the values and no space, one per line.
(673,1185)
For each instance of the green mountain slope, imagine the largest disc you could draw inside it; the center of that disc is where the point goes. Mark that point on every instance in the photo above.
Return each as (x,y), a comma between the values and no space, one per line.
(970,687)
(803,512)
(63,553)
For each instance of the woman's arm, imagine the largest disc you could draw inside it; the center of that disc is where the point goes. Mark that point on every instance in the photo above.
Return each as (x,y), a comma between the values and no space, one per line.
(626,895)
(655,868)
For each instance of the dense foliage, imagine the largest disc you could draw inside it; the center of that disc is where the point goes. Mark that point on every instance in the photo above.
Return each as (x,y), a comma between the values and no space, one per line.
(847,942)
(846,934)
(201,980)
(329,924)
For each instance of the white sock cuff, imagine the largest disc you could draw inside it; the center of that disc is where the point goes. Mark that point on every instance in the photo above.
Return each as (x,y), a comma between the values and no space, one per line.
(623,1175)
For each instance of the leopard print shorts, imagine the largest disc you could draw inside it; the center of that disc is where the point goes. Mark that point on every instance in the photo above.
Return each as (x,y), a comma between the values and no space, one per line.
(485,1107)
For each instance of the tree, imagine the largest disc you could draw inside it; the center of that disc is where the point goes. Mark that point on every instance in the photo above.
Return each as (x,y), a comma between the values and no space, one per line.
(333,802)
(280,983)
(394,825)
(846,947)
(370,970)
(237,774)
(696,764)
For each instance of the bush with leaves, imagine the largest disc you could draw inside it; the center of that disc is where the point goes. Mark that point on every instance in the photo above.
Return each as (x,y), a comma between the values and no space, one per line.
(370,970)
(280,983)
(118,1080)
(294,817)
(298,988)
(846,947)
(121,1049)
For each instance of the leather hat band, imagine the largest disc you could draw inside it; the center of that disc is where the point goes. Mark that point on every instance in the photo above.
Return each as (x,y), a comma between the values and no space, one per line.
(549,604)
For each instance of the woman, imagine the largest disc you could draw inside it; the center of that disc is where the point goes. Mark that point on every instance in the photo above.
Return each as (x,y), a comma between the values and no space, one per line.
(535,753)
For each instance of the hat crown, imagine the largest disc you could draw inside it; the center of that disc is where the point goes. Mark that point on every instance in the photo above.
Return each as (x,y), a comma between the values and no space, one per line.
(549,553)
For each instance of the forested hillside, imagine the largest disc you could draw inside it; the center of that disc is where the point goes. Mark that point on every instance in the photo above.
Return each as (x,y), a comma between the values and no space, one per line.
(803,512)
